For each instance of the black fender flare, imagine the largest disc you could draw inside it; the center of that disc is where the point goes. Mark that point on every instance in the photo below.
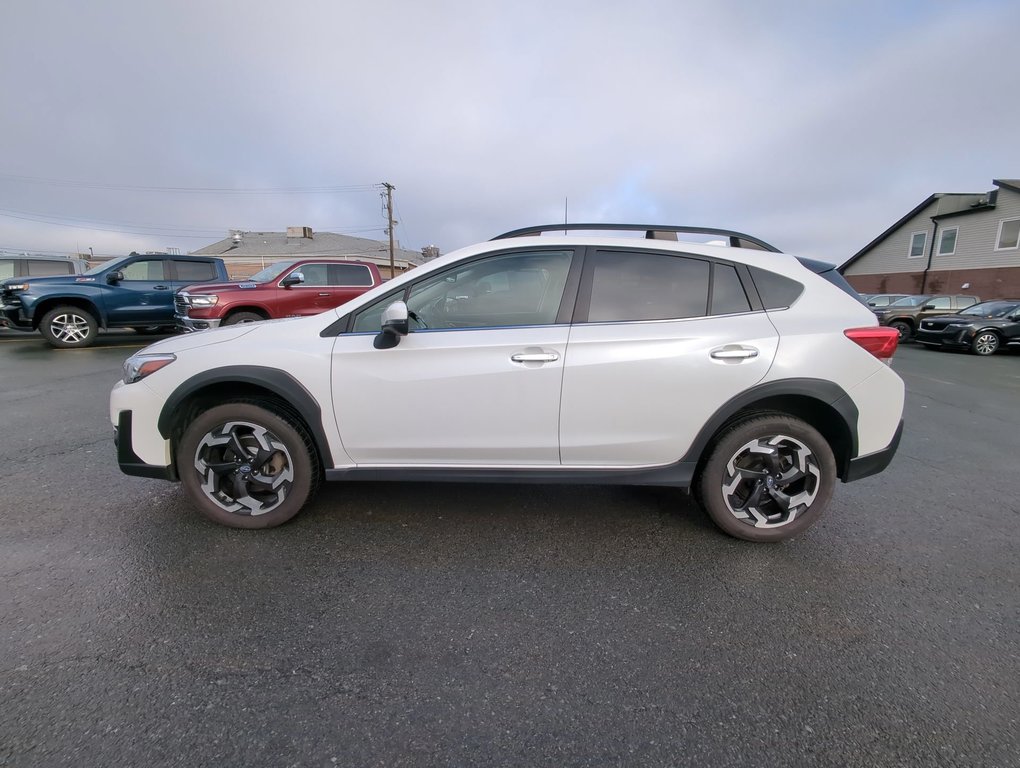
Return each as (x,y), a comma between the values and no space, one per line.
(825,392)
(276,381)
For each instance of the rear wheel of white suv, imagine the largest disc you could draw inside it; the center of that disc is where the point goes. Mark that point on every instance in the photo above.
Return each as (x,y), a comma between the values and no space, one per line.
(768,478)
(246,466)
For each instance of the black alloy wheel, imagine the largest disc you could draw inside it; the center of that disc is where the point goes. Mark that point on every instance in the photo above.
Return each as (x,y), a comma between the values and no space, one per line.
(768,478)
(246,466)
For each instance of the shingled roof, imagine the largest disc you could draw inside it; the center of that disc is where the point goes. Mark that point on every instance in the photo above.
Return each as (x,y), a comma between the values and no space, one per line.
(301,242)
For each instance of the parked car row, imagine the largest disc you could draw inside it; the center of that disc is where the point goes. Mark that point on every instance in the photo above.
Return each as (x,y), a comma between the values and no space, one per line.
(953,321)
(161,292)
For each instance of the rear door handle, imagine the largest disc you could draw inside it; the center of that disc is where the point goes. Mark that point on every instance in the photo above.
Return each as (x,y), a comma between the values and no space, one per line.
(535,357)
(325,294)
(733,352)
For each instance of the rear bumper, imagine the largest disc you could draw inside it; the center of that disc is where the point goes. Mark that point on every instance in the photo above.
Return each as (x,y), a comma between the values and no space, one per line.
(873,463)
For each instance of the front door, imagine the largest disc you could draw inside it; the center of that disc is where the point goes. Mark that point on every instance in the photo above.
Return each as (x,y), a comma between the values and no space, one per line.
(145,295)
(475,382)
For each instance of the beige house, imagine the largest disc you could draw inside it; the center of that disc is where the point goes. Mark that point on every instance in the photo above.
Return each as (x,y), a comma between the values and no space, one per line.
(245,253)
(950,243)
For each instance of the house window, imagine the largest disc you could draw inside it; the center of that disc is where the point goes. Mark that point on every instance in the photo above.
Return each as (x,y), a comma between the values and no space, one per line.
(917,243)
(1009,234)
(947,243)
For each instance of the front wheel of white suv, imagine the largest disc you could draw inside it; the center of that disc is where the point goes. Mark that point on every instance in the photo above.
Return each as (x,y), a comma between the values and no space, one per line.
(768,478)
(246,466)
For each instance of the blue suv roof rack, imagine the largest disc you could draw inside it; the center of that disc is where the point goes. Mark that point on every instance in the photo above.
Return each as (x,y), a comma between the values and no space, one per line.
(736,239)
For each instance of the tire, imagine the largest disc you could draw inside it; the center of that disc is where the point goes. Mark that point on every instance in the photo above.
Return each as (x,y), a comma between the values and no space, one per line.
(789,498)
(903,329)
(217,456)
(243,317)
(985,343)
(69,328)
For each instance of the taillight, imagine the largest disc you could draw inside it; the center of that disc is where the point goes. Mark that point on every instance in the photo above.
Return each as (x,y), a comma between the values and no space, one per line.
(880,341)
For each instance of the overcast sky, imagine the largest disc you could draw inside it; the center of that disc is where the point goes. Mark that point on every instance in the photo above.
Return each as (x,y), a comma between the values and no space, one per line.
(814,125)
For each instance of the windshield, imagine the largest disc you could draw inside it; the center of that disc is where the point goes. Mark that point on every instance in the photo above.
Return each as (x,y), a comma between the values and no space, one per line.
(910,301)
(991,309)
(271,272)
(105,266)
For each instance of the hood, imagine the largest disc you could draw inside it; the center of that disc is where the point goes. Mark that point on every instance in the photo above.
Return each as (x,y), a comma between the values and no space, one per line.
(243,285)
(202,338)
(53,280)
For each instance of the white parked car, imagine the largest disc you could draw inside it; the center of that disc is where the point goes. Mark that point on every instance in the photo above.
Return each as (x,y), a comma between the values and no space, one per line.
(754,378)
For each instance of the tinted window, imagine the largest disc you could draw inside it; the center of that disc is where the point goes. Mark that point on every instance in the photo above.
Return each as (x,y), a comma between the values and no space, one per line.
(42,267)
(195,271)
(6,268)
(146,269)
(646,286)
(349,274)
(727,293)
(776,291)
(511,289)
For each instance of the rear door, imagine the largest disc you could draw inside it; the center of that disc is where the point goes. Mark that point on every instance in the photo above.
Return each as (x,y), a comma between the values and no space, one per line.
(346,281)
(659,343)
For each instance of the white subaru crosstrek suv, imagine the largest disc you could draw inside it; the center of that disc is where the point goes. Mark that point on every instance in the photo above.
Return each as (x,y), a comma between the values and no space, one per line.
(754,378)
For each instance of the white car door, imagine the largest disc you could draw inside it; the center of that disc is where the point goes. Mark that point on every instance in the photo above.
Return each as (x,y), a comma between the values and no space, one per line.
(476,381)
(654,358)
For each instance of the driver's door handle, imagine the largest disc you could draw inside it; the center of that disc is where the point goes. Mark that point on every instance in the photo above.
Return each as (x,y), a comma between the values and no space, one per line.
(160,288)
(535,357)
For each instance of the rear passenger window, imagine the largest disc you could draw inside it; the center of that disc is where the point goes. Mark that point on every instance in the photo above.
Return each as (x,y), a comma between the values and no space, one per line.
(43,268)
(646,286)
(349,274)
(728,295)
(195,271)
(776,291)
(6,268)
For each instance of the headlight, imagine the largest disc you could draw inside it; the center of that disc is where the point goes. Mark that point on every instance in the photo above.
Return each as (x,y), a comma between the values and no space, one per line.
(203,299)
(137,367)
(16,286)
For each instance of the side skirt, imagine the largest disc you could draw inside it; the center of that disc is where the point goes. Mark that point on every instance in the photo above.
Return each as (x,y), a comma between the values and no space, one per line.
(679,475)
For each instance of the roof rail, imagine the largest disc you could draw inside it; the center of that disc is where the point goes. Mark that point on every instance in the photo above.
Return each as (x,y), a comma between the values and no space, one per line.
(736,239)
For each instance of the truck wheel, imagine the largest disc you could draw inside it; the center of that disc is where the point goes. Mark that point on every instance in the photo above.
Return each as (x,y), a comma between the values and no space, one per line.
(69,327)
(903,329)
(247,465)
(243,317)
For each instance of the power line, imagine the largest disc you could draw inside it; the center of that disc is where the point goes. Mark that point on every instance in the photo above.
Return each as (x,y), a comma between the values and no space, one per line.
(77,184)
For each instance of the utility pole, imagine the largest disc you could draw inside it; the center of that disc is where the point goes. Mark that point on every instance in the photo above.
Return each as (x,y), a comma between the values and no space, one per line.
(389,228)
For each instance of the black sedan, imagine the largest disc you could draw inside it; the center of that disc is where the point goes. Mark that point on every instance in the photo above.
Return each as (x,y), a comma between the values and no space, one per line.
(982,328)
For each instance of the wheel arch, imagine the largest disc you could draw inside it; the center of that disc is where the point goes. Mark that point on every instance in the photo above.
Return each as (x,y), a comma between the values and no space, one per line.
(243,382)
(253,308)
(80,302)
(822,404)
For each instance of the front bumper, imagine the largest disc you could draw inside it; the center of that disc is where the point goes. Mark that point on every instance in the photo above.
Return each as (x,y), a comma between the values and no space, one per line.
(11,316)
(130,463)
(957,338)
(189,324)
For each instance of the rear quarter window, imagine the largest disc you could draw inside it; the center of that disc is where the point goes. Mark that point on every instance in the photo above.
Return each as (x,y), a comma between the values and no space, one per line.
(44,267)
(776,291)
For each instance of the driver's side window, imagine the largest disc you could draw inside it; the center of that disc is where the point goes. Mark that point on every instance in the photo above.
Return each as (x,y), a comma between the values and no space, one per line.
(145,269)
(498,291)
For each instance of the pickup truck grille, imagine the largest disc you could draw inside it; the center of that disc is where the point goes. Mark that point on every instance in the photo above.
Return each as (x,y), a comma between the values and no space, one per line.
(180,304)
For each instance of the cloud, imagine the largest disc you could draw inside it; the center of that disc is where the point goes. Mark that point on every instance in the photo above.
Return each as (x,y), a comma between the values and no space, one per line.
(812,125)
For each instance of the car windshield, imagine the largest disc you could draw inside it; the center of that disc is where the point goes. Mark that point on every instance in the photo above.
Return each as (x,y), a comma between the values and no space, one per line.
(910,301)
(271,272)
(991,309)
(105,266)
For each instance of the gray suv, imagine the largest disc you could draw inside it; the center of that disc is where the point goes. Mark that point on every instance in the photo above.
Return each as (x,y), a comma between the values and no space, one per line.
(38,266)
(905,315)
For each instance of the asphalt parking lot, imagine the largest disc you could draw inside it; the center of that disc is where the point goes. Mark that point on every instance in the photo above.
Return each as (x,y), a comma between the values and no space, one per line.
(422,625)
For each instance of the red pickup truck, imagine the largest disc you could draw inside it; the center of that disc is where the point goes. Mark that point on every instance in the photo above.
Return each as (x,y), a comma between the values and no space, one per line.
(284,289)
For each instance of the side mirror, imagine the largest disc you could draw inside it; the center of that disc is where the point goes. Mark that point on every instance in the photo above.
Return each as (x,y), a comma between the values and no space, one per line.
(927,306)
(294,278)
(394,325)
(872,304)
(114,277)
